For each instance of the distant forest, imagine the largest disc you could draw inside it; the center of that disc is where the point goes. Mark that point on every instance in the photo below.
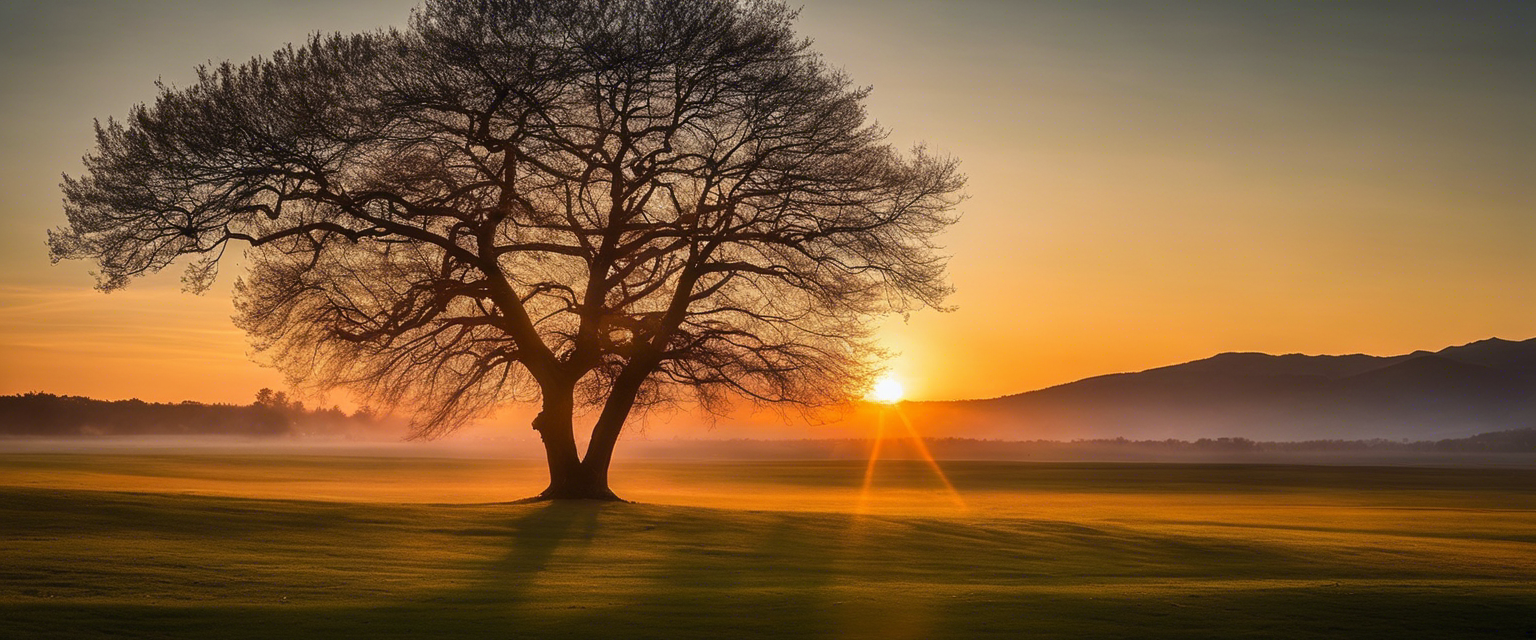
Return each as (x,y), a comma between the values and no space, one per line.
(272,414)
(1501,442)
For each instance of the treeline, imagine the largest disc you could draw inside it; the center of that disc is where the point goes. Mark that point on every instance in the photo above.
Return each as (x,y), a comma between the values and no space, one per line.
(1512,441)
(1515,441)
(272,414)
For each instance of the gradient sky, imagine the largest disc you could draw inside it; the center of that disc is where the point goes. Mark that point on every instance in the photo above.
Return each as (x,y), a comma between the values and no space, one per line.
(1149,182)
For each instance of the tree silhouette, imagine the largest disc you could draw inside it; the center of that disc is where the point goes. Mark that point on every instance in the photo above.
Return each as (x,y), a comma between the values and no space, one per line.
(594,203)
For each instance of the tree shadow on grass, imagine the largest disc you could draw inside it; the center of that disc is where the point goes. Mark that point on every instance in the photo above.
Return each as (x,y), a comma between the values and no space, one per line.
(650,571)
(533,540)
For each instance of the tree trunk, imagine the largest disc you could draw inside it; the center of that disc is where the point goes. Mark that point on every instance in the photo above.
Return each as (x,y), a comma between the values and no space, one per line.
(569,479)
(605,434)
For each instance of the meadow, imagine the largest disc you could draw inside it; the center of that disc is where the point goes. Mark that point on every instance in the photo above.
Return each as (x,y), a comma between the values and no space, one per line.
(198,544)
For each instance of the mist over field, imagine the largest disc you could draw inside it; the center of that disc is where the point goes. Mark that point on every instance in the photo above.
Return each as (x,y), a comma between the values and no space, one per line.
(1464,404)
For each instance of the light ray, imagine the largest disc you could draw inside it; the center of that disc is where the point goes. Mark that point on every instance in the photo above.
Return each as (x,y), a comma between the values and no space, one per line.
(922,449)
(874,456)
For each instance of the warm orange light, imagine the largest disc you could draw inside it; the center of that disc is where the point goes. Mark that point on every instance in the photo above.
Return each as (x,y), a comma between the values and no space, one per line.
(887,391)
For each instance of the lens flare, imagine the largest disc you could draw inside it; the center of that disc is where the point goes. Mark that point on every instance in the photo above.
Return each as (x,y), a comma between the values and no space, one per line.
(917,443)
(922,449)
(874,456)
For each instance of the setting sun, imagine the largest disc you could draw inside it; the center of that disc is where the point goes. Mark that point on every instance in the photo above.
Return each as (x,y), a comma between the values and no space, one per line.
(887,391)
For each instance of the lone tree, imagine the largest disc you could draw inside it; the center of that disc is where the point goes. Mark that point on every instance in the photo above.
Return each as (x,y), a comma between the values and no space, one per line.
(591,203)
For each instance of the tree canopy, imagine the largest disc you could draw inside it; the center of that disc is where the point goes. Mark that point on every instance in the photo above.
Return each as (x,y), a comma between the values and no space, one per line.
(605,203)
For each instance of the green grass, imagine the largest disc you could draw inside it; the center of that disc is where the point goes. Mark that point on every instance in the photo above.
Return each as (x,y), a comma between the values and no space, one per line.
(154,546)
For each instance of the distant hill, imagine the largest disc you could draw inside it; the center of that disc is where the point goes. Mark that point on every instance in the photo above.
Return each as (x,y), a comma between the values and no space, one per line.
(1461,391)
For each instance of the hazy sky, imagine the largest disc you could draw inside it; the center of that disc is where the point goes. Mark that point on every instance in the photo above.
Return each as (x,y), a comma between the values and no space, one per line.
(1150,182)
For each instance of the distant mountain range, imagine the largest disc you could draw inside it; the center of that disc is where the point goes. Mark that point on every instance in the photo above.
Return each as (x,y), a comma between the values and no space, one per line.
(1475,388)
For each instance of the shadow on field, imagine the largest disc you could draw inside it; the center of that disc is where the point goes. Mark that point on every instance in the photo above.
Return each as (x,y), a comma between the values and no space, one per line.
(626,570)
(532,542)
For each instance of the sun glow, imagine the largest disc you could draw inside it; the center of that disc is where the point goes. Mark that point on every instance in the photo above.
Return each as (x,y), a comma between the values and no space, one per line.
(887,391)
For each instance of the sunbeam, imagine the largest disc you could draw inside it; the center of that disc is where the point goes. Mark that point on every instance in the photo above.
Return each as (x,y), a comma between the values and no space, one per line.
(922,449)
(874,456)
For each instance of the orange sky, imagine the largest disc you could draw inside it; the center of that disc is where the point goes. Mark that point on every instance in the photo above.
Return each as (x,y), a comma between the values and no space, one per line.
(1149,183)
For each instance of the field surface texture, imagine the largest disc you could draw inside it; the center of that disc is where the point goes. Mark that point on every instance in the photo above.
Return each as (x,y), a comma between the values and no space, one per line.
(292,546)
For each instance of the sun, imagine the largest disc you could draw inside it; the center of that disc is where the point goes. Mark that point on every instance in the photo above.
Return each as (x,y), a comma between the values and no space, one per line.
(887,391)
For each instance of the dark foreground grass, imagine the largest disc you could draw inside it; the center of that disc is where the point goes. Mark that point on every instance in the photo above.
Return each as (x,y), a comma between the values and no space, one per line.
(1040,551)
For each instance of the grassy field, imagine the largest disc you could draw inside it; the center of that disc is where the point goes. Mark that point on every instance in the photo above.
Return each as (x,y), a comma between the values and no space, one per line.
(289,546)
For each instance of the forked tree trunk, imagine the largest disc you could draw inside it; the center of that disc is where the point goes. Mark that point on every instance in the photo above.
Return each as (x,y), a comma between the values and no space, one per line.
(571,478)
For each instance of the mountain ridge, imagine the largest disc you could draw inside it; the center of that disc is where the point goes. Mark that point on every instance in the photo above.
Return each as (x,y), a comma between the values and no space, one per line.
(1458,391)
(1528,345)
